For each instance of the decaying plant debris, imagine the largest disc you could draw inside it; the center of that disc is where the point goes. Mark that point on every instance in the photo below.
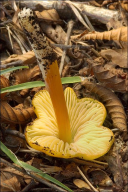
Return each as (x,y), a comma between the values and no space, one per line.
(90,40)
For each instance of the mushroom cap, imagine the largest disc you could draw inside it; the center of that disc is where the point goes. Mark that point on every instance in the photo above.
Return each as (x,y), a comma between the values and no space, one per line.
(90,139)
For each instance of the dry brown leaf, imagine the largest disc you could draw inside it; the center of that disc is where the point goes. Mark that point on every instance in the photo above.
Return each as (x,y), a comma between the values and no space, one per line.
(2,15)
(4,82)
(15,18)
(9,172)
(27,58)
(124,5)
(26,75)
(119,34)
(10,185)
(112,104)
(119,58)
(15,115)
(115,166)
(56,34)
(81,184)
(93,2)
(108,77)
(113,6)
(100,177)
(48,16)
(71,171)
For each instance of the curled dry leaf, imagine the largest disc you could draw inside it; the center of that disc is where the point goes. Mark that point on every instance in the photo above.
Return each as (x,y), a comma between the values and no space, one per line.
(118,57)
(26,75)
(4,82)
(27,58)
(108,77)
(119,34)
(15,115)
(112,104)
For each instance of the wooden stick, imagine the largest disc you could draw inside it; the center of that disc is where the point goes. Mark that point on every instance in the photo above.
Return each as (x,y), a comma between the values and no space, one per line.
(95,13)
(70,26)
(94,189)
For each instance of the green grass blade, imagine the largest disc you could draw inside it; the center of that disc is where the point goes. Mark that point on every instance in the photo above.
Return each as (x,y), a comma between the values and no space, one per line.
(21,86)
(28,85)
(30,168)
(12,69)
(66,80)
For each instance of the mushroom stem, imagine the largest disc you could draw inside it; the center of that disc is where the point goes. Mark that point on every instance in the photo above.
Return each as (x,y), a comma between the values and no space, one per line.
(54,86)
(49,68)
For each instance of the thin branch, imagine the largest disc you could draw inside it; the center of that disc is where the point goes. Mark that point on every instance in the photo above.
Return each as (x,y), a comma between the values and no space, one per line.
(94,189)
(70,26)
(15,63)
(90,163)
(14,132)
(65,47)
(30,186)
(5,22)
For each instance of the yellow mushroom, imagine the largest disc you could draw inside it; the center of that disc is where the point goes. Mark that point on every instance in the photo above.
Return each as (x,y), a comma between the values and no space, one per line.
(65,127)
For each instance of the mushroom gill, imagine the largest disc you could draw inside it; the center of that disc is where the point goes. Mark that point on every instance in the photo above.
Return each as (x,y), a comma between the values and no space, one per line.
(89,139)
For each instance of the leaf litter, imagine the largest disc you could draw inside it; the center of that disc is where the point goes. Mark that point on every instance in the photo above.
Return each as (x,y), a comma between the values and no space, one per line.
(96,53)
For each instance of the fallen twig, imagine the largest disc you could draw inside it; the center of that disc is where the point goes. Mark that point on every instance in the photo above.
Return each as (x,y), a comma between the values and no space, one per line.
(96,13)
(27,58)
(70,26)
(29,186)
(65,47)
(15,63)
(94,189)
(14,132)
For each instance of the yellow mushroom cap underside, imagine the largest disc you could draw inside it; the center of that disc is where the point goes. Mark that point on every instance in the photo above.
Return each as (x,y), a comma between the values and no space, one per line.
(90,139)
